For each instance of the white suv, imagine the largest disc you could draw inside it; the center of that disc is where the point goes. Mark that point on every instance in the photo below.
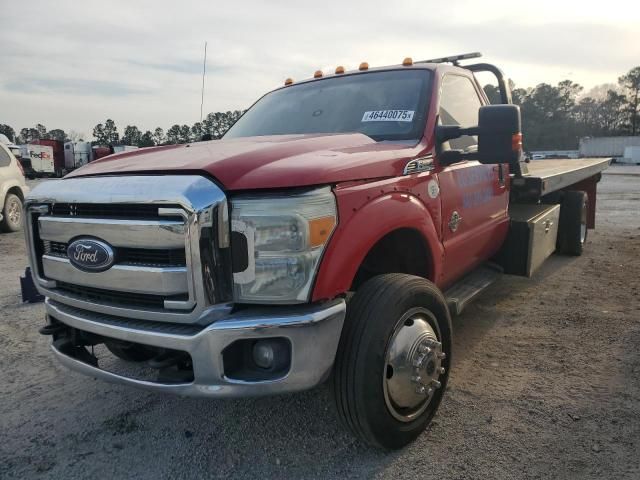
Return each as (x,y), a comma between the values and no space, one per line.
(13,189)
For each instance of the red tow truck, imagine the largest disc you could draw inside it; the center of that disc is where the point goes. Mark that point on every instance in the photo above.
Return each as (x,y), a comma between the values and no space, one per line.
(330,234)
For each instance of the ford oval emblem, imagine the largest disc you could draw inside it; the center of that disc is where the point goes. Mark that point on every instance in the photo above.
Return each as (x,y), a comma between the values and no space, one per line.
(90,255)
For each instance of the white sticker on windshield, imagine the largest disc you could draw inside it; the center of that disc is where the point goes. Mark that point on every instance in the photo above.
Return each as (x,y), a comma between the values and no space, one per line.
(388,116)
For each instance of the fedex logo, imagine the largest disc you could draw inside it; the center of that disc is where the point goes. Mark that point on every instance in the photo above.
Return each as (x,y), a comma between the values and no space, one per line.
(41,155)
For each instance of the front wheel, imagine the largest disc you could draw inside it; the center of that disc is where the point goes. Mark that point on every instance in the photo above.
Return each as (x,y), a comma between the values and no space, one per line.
(12,214)
(393,359)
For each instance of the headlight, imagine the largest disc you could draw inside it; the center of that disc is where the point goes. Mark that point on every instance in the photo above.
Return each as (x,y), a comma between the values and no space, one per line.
(285,237)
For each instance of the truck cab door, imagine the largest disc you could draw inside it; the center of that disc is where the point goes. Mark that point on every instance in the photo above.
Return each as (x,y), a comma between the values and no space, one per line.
(474,196)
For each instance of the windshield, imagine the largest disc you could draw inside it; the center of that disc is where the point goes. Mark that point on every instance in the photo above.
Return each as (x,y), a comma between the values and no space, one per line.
(387,105)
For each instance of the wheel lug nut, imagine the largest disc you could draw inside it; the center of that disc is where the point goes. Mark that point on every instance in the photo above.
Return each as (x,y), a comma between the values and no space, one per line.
(442,355)
(421,390)
(419,361)
(430,391)
(436,384)
(416,379)
(441,370)
(423,348)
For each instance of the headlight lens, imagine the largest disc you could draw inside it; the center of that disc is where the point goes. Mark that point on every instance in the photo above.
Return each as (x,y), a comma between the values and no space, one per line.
(285,237)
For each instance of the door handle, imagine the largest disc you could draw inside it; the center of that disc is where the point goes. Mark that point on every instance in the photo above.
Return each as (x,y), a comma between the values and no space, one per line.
(500,169)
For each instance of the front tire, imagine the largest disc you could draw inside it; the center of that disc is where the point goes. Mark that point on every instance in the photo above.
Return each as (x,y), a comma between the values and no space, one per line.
(12,214)
(393,360)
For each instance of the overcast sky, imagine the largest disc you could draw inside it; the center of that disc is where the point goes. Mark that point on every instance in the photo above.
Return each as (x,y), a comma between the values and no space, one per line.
(71,64)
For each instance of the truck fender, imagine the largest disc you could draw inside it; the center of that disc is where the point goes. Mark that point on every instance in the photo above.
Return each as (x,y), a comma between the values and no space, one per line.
(361,228)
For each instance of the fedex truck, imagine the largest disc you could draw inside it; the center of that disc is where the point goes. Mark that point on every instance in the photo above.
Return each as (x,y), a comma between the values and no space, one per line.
(41,160)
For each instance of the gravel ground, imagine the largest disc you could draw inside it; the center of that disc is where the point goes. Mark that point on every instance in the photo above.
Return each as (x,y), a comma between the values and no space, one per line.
(545,384)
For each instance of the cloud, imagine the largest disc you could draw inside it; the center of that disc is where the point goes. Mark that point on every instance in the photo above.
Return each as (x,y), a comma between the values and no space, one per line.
(73,86)
(71,65)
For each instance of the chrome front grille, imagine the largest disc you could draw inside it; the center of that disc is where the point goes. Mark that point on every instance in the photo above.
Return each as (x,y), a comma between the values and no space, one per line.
(113,297)
(169,235)
(170,257)
(105,210)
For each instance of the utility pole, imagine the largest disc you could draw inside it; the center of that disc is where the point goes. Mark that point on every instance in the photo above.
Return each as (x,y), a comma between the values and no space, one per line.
(204,71)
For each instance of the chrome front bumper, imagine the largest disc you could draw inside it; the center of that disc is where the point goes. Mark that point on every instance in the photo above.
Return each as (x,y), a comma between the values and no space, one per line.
(314,332)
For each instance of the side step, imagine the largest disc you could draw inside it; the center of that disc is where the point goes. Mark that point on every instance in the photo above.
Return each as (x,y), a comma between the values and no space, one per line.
(466,289)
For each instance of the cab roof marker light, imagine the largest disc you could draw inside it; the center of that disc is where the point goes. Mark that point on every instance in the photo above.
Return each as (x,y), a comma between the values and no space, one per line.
(288,81)
(363,66)
(407,62)
(317,74)
(339,69)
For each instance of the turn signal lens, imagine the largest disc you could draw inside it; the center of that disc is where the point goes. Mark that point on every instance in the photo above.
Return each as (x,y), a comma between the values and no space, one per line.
(363,66)
(288,81)
(516,142)
(320,229)
(340,69)
(407,62)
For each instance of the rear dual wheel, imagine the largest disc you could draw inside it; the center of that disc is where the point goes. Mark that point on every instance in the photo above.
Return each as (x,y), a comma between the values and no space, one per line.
(572,229)
(393,361)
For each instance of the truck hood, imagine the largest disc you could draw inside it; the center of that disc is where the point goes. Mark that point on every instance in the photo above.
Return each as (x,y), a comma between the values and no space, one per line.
(265,162)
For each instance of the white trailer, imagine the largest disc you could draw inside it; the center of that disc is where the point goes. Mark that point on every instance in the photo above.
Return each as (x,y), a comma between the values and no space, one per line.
(77,154)
(124,148)
(41,157)
(631,156)
(607,146)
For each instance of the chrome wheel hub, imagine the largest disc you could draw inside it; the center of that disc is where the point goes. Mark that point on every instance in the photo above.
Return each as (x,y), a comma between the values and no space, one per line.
(413,365)
(14,212)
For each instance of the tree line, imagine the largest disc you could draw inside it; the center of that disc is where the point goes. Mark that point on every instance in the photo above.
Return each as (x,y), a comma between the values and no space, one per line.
(553,117)
(212,127)
(556,117)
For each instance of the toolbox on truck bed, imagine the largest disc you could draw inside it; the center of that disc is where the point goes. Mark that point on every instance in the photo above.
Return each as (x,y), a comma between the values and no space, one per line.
(532,238)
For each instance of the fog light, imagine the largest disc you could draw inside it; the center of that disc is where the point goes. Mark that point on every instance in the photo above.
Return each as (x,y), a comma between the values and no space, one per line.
(271,354)
(263,354)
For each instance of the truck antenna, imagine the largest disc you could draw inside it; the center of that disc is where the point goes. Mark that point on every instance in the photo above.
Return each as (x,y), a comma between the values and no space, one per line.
(454,59)
(204,71)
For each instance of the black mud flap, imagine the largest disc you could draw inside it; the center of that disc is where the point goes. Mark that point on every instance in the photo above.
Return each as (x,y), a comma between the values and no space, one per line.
(28,288)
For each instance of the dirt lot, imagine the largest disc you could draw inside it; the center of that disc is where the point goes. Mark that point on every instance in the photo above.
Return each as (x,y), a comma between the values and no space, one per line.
(545,384)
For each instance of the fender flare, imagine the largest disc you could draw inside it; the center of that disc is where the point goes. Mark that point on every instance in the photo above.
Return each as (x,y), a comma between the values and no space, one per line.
(359,231)
(5,190)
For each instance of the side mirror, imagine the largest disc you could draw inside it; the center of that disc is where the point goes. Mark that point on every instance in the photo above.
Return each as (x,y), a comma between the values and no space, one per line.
(499,137)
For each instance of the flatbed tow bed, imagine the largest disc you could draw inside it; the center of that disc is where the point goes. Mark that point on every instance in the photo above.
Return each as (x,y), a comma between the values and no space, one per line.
(548,176)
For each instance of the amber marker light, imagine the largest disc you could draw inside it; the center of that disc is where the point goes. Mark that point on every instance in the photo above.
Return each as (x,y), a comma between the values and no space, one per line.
(407,62)
(340,69)
(288,81)
(363,66)
(317,74)
(320,229)
(516,142)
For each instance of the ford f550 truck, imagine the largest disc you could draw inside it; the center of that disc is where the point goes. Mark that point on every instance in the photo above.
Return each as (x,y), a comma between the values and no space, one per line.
(331,233)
